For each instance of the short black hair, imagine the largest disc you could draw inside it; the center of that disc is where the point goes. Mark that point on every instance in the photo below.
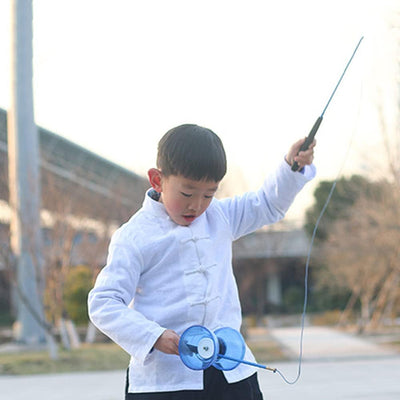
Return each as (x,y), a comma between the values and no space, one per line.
(192,151)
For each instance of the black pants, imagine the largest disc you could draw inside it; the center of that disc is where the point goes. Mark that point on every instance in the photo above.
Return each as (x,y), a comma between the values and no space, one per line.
(215,388)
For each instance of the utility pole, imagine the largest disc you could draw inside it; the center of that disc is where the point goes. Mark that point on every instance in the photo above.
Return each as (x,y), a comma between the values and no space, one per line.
(24,180)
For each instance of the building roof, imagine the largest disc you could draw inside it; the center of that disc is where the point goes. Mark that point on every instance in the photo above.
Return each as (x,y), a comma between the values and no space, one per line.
(75,165)
(272,244)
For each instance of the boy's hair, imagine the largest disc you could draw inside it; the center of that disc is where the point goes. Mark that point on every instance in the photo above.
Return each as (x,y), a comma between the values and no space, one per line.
(192,151)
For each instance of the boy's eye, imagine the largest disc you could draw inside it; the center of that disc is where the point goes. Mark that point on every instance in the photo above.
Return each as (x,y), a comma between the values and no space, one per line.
(208,197)
(186,194)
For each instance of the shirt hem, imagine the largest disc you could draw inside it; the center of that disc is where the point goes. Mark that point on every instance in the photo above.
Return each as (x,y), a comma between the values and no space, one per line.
(152,389)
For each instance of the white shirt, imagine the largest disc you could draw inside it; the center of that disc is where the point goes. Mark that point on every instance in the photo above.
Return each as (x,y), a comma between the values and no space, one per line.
(160,275)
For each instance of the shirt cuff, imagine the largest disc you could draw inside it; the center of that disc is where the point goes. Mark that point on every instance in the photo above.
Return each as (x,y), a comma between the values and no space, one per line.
(308,171)
(145,352)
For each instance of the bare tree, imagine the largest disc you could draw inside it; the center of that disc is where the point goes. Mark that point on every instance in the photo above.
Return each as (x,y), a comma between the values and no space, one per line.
(362,249)
(362,253)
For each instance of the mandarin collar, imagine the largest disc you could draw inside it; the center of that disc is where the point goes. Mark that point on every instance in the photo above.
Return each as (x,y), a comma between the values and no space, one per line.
(154,207)
(157,209)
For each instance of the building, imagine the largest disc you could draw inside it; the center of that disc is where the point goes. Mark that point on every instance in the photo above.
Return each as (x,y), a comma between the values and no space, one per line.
(269,267)
(87,196)
(84,198)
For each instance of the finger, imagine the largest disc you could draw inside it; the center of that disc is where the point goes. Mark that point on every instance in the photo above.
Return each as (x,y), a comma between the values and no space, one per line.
(304,161)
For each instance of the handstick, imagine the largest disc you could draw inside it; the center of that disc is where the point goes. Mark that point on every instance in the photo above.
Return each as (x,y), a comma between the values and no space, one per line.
(247,362)
(311,135)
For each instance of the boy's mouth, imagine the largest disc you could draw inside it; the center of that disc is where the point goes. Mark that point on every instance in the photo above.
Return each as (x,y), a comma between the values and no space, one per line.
(189,218)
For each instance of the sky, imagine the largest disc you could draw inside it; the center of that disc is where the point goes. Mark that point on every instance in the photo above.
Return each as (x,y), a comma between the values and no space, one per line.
(114,75)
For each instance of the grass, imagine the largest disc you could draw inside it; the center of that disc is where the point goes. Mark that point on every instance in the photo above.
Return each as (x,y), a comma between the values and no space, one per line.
(94,357)
(267,351)
(264,347)
(108,356)
(102,357)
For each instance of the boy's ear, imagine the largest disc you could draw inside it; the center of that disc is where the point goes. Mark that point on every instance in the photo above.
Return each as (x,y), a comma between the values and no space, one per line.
(155,178)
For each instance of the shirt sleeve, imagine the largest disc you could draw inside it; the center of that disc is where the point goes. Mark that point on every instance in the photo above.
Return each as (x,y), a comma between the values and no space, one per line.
(253,210)
(108,303)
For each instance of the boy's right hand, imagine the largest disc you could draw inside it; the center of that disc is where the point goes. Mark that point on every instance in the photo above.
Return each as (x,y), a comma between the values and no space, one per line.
(168,342)
(303,158)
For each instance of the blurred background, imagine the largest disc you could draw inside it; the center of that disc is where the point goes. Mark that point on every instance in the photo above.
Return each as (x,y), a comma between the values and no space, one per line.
(87,88)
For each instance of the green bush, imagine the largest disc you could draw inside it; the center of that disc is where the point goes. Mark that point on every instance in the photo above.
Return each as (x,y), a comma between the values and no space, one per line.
(77,286)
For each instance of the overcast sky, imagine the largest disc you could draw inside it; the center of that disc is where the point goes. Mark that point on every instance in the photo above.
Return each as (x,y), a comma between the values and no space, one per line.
(115,75)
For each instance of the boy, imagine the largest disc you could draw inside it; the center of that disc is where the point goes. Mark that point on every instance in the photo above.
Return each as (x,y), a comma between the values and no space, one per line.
(170,266)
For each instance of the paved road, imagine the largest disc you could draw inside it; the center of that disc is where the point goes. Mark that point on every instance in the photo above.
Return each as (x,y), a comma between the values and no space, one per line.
(336,380)
(335,366)
(322,343)
(327,374)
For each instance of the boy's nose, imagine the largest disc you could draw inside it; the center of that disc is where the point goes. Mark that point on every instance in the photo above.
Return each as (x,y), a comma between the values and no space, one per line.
(195,204)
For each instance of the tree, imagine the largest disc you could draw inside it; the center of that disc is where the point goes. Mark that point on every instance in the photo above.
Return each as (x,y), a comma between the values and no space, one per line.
(77,285)
(76,220)
(347,192)
(77,225)
(361,253)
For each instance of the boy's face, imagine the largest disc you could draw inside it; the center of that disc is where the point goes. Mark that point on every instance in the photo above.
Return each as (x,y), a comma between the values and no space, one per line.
(184,199)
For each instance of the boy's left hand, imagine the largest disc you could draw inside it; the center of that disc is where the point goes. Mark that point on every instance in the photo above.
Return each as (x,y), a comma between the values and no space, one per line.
(304,157)
(168,342)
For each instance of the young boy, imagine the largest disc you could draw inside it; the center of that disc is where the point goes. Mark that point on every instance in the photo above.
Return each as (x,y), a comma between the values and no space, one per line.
(170,266)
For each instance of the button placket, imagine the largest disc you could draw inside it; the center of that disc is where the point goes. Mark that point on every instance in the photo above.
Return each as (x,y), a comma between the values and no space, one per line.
(205,305)
(201,270)
(194,239)
(205,302)
(198,276)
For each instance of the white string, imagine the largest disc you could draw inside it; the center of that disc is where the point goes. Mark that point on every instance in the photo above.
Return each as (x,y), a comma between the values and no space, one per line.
(303,316)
